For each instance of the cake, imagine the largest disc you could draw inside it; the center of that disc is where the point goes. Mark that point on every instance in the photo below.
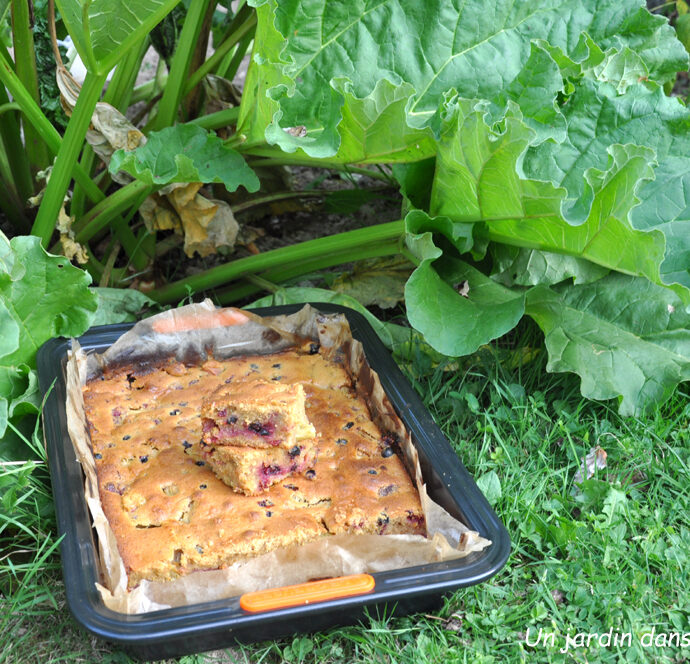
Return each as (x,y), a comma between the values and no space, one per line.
(171,514)
(256,433)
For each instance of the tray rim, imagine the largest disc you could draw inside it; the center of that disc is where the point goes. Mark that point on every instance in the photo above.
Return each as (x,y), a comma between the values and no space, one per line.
(223,615)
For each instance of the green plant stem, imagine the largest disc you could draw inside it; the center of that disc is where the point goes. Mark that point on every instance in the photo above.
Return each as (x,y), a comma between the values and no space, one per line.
(138,253)
(179,67)
(94,267)
(118,95)
(144,91)
(233,65)
(262,284)
(289,160)
(129,243)
(278,196)
(5,54)
(218,119)
(9,106)
(79,195)
(120,88)
(43,126)
(19,175)
(243,23)
(101,214)
(282,274)
(410,256)
(25,64)
(332,250)
(224,64)
(192,100)
(67,156)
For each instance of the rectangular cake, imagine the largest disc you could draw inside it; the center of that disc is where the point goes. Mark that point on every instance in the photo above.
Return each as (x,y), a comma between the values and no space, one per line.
(172,515)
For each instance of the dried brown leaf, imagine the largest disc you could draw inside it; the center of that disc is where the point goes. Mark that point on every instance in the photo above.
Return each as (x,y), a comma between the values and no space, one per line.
(380,281)
(110,130)
(73,251)
(220,93)
(205,223)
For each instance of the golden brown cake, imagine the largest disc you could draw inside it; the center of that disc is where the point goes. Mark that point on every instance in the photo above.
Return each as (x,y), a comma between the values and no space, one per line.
(172,515)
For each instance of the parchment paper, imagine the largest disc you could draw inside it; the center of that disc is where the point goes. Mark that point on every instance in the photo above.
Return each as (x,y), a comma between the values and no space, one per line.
(192,333)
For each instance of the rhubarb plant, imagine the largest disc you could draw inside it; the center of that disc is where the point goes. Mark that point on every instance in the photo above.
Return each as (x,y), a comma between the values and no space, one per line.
(555,145)
(542,165)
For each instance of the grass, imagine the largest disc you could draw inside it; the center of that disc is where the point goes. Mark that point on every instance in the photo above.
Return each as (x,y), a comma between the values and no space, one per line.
(610,554)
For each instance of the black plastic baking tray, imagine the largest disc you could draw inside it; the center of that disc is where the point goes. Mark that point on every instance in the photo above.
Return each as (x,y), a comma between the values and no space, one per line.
(217,624)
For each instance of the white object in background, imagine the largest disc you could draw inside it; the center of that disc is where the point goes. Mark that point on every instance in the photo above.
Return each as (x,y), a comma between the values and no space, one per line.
(74,62)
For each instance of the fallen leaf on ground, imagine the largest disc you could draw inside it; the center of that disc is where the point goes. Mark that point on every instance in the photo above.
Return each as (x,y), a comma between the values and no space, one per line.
(379,281)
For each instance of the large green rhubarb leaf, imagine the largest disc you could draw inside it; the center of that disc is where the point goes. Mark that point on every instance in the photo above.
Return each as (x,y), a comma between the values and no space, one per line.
(333,50)
(185,153)
(103,30)
(372,130)
(264,73)
(375,130)
(535,91)
(515,266)
(665,207)
(477,179)
(455,306)
(625,337)
(41,296)
(597,118)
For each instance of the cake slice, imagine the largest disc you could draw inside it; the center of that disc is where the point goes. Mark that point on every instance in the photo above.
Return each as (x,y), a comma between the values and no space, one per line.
(255,434)
(251,470)
(256,414)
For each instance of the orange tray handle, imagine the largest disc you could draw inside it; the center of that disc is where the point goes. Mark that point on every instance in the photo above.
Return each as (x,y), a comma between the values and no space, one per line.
(307,593)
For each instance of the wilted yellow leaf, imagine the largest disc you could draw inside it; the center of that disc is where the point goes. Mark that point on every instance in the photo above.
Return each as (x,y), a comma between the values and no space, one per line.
(110,130)
(206,224)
